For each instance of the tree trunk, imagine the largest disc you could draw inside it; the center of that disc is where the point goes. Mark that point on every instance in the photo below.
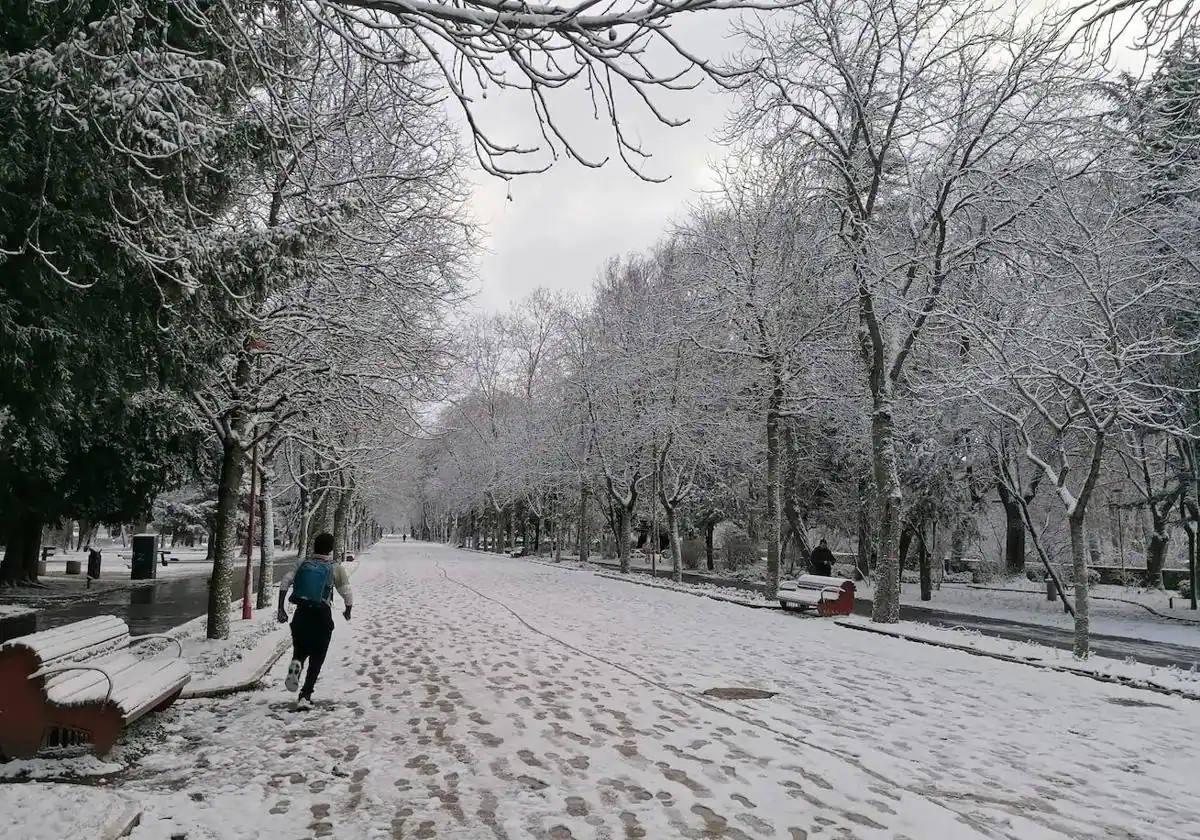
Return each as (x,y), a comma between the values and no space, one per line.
(1014,533)
(863,566)
(584,547)
(623,525)
(302,526)
(772,507)
(886,607)
(1192,528)
(926,568)
(22,549)
(1079,567)
(340,513)
(710,560)
(229,495)
(906,536)
(676,543)
(1156,552)
(266,563)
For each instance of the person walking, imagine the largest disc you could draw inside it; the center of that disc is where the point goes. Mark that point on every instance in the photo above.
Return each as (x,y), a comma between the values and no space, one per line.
(820,562)
(312,584)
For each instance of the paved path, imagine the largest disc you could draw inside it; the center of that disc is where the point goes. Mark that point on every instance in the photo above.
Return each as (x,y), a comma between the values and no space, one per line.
(554,704)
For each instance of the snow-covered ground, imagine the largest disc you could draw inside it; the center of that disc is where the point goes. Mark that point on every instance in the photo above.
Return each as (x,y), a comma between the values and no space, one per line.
(223,657)
(13,610)
(116,563)
(474,697)
(1107,617)
(1180,680)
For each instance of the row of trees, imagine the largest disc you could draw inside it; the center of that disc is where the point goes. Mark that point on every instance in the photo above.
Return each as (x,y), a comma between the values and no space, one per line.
(951,258)
(232,233)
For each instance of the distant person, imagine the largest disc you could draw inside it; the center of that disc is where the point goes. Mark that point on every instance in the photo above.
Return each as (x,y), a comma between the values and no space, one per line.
(404,538)
(820,562)
(312,584)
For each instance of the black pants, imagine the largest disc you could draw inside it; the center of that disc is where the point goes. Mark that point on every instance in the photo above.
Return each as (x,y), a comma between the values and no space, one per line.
(312,628)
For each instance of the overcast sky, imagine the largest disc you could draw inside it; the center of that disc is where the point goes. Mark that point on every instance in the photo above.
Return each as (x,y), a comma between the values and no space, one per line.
(561,225)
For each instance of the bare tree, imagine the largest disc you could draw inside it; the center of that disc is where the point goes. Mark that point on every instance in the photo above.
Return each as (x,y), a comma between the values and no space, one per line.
(922,112)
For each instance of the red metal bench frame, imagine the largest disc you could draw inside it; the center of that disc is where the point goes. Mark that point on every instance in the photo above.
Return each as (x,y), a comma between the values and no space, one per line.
(30,721)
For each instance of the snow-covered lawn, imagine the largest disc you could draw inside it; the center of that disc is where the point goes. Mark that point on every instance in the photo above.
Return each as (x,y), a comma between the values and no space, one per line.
(724,593)
(474,697)
(1108,617)
(1185,681)
(116,563)
(13,610)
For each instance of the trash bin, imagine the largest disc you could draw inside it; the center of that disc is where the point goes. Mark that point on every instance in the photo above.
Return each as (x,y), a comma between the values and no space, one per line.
(93,564)
(1051,589)
(74,567)
(143,565)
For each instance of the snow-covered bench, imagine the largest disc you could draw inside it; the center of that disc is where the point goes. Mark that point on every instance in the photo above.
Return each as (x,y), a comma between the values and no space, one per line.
(827,595)
(81,684)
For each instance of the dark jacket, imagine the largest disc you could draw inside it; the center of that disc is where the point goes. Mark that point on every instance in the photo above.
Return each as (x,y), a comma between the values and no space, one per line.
(820,562)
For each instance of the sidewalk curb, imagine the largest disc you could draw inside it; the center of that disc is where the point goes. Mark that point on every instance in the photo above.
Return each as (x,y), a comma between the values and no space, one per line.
(1016,660)
(200,691)
(123,825)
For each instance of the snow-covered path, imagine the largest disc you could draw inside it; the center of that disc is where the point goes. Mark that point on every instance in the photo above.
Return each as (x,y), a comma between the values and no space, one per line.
(479,697)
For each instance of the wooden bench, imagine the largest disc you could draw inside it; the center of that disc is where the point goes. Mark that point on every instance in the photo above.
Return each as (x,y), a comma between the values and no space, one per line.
(827,595)
(81,684)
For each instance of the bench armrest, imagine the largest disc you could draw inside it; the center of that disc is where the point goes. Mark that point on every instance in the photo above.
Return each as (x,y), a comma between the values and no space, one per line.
(49,672)
(178,644)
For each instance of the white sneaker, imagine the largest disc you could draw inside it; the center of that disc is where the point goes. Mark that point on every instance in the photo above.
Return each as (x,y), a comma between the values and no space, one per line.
(292,682)
(303,704)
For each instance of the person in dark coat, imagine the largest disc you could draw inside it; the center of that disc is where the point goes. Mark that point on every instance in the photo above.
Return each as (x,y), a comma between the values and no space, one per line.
(820,562)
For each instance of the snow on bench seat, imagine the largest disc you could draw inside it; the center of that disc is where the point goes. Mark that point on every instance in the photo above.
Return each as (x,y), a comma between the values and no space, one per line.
(80,683)
(137,684)
(829,595)
(72,642)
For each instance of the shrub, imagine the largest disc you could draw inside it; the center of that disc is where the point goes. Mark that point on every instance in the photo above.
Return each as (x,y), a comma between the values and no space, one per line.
(844,570)
(737,549)
(1185,589)
(1093,576)
(984,572)
(1036,574)
(693,553)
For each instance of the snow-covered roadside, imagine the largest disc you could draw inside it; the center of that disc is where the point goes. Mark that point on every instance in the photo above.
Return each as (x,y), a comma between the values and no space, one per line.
(720,593)
(14,610)
(1185,683)
(69,811)
(1108,617)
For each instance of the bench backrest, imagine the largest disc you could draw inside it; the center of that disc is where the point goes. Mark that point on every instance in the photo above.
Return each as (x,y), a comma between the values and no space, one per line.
(824,582)
(75,642)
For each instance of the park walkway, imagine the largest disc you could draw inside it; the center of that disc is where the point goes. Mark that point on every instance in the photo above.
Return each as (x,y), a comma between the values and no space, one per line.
(480,697)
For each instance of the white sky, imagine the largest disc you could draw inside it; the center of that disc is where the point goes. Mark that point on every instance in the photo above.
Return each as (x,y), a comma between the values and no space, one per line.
(562,225)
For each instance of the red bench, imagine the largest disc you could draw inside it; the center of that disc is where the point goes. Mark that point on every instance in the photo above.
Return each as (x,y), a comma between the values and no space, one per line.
(827,595)
(80,684)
